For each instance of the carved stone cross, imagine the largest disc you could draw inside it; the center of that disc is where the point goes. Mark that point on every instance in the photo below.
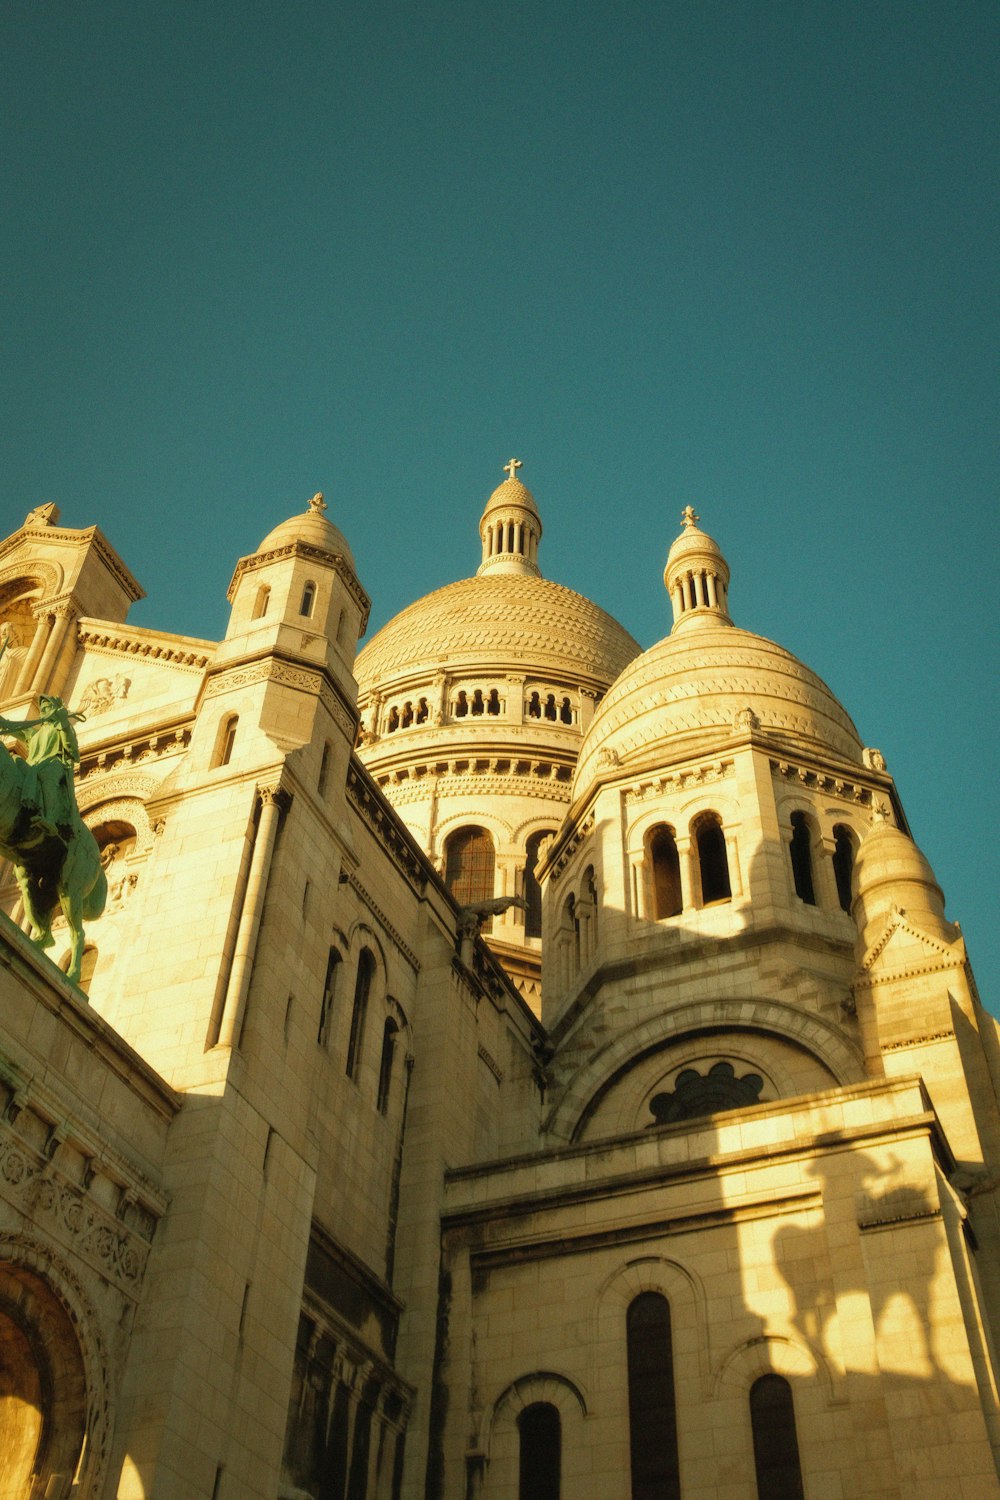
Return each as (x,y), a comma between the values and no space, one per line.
(689,515)
(511,467)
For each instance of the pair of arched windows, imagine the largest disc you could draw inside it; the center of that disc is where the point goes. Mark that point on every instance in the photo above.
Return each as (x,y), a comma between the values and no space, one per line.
(403,717)
(549,707)
(652,1422)
(664,865)
(801,855)
(359,1013)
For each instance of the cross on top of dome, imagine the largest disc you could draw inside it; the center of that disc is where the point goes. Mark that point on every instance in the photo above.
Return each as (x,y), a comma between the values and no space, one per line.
(317,504)
(689,515)
(511,467)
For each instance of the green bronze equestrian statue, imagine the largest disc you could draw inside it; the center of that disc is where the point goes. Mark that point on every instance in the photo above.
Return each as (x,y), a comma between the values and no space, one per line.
(55,856)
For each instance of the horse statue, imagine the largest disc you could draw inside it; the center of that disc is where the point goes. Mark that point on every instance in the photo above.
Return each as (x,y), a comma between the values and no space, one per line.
(55,856)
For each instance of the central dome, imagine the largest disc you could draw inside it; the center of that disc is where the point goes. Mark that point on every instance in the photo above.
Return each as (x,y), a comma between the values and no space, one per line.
(504,620)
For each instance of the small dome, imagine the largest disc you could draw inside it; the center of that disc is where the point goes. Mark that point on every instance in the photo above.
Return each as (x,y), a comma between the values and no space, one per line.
(890,871)
(311,527)
(697,578)
(510,495)
(689,689)
(512,621)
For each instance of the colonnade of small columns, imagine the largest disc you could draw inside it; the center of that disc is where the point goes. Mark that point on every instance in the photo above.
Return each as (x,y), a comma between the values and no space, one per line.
(49,655)
(514,699)
(699,588)
(510,538)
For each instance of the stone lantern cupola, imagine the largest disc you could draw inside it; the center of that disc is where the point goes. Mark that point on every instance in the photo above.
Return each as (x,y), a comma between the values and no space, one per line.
(697,577)
(510,528)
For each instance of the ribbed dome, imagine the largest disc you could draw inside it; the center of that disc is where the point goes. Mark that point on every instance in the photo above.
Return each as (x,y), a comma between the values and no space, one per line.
(312,528)
(510,620)
(689,689)
(509,494)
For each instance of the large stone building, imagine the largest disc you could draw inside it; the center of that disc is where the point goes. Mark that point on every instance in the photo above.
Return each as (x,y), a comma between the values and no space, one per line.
(509,1064)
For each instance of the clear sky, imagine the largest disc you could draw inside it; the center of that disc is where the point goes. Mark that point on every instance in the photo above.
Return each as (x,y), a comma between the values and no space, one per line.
(740,254)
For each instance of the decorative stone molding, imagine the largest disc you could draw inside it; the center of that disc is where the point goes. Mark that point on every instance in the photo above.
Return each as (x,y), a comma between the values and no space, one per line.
(387,927)
(679,781)
(316,554)
(491,1063)
(571,845)
(368,801)
(271,669)
(401,793)
(126,810)
(821,781)
(125,754)
(46,573)
(102,693)
(35,1187)
(180,653)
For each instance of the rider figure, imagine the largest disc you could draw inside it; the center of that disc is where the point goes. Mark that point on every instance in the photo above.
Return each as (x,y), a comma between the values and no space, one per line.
(52,754)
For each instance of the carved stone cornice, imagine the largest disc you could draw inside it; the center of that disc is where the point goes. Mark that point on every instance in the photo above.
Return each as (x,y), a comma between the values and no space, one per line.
(375,810)
(569,848)
(401,793)
(60,536)
(285,674)
(118,640)
(808,776)
(124,756)
(679,781)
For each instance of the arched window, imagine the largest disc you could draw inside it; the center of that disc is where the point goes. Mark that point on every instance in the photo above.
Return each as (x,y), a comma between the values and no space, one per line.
(652,1414)
(493,702)
(342,623)
(478,706)
(392,723)
(362,989)
(226,740)
(566,711)
(407,718)
(261,602)
(532,890)
(665,867)
(800,850)
(534,707)
(468,867)
(422,711)
(775,1446)
(550,706)
(540,1433)
(843,864)
(308,599)
(389,1033)
(461,706)
(324,771)
(713,862)
(326,1004)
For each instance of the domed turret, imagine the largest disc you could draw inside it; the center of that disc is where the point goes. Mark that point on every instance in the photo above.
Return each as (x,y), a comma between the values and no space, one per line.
(890,872)
(313,528)
(510,528)
(697,577)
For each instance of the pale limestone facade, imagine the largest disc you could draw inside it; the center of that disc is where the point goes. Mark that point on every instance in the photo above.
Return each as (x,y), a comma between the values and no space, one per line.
(310,1197)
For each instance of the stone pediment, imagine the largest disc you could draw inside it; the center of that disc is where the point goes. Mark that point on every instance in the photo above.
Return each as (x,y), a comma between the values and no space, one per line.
(903,948)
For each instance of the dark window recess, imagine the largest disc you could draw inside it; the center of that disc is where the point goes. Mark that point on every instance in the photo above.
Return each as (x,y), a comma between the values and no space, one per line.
(713,862)
(540,1432)
(666,873)
(362,988)
(694,1095)
(652,1415)
(843,864)
(468,867)
(800,850)
(775,1446)
(532,890)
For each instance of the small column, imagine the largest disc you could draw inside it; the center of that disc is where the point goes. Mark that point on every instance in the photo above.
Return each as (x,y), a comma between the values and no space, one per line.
(687,855)
(61,614)
(29,666)
(713,593)
(271,800)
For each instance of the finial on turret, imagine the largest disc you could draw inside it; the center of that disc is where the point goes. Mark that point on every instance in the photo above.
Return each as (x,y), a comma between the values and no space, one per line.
(317,504)
(511,467)
(689,516)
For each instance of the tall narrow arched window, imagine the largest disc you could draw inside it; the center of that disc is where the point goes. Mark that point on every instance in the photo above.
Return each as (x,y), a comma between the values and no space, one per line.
(468,866)
(532,890)
(362,989)
(539,1468)
(461,705)
(775,1446)
(800,852)
(389,1033)
(324,771)
(665,868)
(260,603)
(326,1004)
(534,706)
(225,740)
(713,861)
(652,1414)
(308,599)
(843,864)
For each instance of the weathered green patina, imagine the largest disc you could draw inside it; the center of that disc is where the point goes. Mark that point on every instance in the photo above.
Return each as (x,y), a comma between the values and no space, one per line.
(55,856)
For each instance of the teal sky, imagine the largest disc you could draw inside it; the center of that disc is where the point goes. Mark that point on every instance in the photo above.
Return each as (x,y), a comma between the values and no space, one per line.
(741,255)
